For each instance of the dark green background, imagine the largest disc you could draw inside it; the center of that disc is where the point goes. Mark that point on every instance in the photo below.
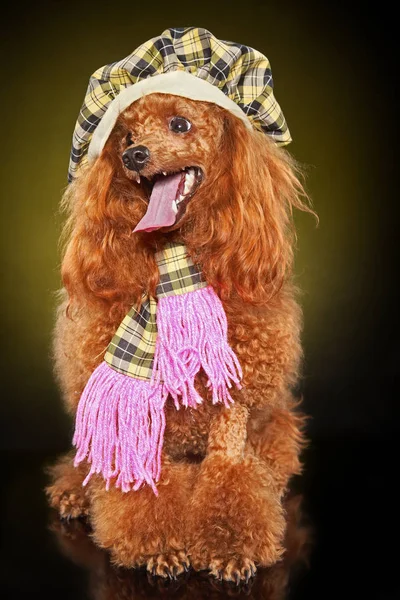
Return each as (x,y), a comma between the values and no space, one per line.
(333,79)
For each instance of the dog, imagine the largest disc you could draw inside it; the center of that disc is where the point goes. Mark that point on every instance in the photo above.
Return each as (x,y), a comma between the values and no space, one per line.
(225,471)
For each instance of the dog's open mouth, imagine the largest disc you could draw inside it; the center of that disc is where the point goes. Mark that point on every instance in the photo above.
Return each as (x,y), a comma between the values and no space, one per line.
(169,194)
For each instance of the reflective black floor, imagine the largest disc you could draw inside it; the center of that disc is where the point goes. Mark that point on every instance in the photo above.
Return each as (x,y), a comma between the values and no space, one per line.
(341,515)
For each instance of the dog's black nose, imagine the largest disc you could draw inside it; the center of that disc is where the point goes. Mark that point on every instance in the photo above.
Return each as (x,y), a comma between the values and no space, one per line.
(140,154)
(136,158)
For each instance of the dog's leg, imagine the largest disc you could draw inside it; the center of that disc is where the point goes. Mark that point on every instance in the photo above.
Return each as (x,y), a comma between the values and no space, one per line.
(139,528)
(65,492)
(279,444)
(236,517)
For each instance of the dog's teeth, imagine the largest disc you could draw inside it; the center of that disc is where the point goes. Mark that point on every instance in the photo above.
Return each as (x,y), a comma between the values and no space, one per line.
(174,206)
(189,180)
(137,177)
(164,173)
(179,199)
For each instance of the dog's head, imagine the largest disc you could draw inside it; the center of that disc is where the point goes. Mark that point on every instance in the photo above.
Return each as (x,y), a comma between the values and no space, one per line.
(190,170)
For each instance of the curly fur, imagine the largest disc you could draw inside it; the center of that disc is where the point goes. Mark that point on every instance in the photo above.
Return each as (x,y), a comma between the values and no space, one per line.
(224,471)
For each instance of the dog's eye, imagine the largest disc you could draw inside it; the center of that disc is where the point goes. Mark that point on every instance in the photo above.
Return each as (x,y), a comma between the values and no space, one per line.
(179,125)
(129,140)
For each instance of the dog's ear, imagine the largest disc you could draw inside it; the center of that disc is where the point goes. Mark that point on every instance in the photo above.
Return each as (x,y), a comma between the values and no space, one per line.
(103,261)
(246,240)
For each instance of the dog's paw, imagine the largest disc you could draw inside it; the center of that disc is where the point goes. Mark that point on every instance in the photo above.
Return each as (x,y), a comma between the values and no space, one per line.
(237,569)
(70,505)
(168,565)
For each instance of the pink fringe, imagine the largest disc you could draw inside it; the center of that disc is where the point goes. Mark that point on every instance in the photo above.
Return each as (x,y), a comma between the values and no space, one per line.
(192,333)
(119,429)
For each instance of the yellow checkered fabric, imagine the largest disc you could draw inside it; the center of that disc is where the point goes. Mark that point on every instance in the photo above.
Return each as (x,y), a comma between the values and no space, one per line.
(131,350)
(240,72)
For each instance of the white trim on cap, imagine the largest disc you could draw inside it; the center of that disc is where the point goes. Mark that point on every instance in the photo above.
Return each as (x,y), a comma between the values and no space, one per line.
(178,83)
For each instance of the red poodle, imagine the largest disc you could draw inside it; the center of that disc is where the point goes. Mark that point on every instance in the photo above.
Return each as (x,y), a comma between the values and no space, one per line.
(185,459)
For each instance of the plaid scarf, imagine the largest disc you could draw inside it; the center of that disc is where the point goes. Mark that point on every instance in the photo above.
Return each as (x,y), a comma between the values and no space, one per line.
(156,352)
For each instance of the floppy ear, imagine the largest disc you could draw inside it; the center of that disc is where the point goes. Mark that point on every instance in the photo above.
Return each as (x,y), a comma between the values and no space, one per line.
(103,261)
(245,242)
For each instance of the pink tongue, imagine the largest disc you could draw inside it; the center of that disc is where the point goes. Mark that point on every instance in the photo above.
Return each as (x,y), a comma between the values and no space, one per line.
(160,212)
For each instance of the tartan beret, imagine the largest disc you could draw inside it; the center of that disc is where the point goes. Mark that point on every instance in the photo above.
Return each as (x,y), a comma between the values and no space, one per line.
(184,61)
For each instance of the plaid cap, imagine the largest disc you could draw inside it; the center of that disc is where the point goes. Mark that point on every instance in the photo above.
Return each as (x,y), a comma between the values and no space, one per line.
(239,72)
(131,350)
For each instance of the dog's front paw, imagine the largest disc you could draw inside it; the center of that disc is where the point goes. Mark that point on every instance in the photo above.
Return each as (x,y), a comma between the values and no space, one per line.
(168,565)
(70,505)
(235,569)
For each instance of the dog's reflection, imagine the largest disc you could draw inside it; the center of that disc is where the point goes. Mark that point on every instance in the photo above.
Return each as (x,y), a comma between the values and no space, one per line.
(110,583)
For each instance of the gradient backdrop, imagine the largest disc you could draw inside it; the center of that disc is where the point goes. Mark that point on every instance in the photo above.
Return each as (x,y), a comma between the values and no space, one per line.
(333,73)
